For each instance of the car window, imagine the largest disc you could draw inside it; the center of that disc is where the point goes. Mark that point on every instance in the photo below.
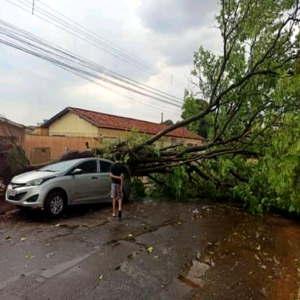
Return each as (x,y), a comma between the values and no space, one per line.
(105,166)
(88,167)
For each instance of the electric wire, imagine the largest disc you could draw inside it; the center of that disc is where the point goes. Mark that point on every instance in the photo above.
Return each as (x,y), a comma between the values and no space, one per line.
(62,59)
(89,37)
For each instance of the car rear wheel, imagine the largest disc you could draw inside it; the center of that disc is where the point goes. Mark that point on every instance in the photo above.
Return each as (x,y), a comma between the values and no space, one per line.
(55,204)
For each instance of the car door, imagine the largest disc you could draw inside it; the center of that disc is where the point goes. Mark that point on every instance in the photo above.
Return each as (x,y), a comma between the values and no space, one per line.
(104,181)
(85,184)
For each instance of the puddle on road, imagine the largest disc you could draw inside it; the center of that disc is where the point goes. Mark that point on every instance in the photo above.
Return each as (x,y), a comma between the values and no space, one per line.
(194,277)
(257,255)
(197,270)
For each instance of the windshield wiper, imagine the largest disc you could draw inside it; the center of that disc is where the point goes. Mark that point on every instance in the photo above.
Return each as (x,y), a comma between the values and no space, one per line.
(47,170)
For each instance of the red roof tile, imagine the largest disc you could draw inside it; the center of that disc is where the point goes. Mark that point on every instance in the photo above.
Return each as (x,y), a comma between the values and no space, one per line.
(121,123)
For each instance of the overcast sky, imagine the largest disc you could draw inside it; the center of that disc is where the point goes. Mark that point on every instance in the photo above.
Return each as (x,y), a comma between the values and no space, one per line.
(164,33)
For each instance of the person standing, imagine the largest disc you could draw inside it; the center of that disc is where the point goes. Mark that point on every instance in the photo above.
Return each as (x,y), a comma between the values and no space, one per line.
(116,175)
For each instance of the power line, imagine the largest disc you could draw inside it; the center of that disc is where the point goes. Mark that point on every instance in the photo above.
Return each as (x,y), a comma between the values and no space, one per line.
(125,96)
(78,73)
(84,62)
(118,75)
(64,61)
(68,66)
(170,76)
(99,42)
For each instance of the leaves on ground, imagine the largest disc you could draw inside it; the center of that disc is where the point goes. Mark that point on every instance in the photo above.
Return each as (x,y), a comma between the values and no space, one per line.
(150,249)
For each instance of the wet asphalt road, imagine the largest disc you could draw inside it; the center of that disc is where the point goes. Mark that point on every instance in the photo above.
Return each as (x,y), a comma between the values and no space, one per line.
(157,251)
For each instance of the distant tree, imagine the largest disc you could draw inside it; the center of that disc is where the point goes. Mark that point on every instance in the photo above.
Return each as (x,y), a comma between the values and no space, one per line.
(168,122)
(189,108)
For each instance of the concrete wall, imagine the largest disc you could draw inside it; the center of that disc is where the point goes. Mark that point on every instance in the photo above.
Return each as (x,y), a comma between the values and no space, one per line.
(42,131)
(56,144)
(72,125)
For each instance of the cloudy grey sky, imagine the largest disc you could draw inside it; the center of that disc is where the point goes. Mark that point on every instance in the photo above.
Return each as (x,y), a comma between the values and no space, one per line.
(164,33)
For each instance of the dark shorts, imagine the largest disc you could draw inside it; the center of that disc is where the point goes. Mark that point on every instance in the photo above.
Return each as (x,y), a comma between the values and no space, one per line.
(115,191)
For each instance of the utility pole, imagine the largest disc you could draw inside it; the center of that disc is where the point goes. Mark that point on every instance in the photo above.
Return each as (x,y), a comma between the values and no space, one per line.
(162,118)
(32,6)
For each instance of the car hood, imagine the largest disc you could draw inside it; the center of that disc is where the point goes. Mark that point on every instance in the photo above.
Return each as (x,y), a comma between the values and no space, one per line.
(29,176)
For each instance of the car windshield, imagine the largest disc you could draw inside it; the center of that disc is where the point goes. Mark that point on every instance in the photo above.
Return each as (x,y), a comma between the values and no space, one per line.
(57,167)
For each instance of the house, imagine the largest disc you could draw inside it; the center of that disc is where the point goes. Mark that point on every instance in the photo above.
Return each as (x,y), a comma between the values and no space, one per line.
(11,132)
(30,129)
(72,128)
(85,123)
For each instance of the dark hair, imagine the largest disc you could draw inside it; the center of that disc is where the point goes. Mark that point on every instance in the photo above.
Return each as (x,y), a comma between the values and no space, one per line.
(118,156)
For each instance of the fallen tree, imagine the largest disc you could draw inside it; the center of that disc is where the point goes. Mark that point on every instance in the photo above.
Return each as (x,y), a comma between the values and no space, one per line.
(248,89)
(246,98)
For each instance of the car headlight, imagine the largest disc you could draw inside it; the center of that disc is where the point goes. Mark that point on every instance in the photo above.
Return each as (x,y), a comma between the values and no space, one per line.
(37,182)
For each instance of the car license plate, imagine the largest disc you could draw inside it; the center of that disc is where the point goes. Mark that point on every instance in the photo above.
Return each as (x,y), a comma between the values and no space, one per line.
(11,193)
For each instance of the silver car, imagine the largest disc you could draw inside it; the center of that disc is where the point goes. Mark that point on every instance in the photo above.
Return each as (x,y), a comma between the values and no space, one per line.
(53,187)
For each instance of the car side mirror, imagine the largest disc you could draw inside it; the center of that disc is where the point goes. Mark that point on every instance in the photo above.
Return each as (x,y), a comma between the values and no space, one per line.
(76,172)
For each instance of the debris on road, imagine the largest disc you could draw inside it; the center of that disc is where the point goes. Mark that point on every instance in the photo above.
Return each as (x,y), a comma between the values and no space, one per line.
(150,249)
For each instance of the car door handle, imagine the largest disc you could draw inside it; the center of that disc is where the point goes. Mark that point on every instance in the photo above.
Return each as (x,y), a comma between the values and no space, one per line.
(94,177)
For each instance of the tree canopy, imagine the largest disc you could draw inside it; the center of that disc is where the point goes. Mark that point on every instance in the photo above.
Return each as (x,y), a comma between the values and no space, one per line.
(168,122)
(244,101)
(190,106)
(248,87)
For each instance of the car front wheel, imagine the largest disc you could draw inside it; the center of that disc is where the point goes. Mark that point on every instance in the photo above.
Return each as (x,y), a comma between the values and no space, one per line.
(55,204)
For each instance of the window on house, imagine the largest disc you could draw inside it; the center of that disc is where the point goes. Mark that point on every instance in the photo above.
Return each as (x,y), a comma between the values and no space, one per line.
(105,166)
(190,145)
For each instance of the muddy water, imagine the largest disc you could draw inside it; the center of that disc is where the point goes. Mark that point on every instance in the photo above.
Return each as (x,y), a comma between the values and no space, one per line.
(250,258)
